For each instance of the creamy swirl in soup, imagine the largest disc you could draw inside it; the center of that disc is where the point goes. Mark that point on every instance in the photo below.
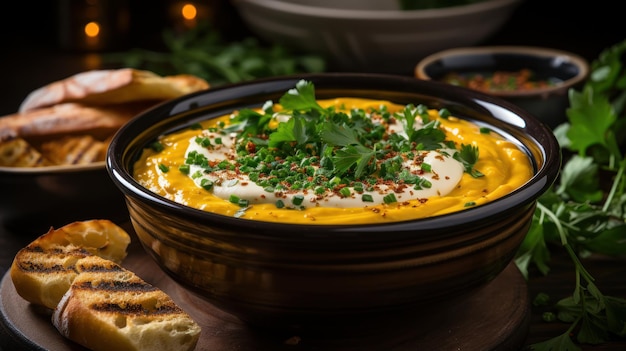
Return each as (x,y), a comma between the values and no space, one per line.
(343,160)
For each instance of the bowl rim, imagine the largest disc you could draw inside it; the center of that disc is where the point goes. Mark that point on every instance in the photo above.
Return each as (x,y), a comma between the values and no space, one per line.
(339,13)
(522,50)
(119,157)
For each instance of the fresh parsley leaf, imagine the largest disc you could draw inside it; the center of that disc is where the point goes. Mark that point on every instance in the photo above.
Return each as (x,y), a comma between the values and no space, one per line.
(578,213)
(429,137)
(407,117)
(337,135)
(352,153)
(302,97)
(249,122)
(610,242)
(579,180)
(468,156)
(350,156)
(591,117)
(293,130)
(534,250)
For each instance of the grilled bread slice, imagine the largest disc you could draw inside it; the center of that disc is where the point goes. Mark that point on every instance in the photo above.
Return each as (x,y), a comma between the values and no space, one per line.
(110,308)
(44,270)
(17,152)
(114,86)
(74,150)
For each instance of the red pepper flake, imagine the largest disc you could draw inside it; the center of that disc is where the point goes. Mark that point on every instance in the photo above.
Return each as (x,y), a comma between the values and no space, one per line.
(251,147)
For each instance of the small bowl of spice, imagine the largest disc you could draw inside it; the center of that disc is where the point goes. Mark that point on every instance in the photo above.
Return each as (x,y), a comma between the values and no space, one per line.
(534,78)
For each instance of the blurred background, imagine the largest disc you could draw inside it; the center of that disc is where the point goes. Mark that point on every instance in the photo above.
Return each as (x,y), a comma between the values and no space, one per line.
(43,41)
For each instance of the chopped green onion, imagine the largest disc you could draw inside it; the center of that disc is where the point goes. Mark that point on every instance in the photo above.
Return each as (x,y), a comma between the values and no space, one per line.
(203,141)
(345,192)
(444,113)
(297,200)
(206,184)
(390,198)
(243,202)
(184,169)
(157,146)
(234,199)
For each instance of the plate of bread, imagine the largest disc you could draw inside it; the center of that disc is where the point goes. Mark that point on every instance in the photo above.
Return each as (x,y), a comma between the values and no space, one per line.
(73,277)
(69,122)
(52,149)
(89,285)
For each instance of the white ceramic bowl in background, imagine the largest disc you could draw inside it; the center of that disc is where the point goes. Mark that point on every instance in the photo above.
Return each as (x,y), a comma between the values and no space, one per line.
(355,37)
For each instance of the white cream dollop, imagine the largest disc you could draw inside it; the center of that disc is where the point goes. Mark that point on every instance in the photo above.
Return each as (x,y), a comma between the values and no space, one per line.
(444,175)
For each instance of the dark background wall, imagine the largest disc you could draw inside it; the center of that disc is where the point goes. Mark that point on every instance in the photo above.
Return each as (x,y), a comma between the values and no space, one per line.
(32,52)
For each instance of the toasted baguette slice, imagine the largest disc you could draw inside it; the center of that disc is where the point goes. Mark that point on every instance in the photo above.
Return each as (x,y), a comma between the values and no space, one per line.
(44,270)
(17,152)
(74,150)
(110,308)
(115,86)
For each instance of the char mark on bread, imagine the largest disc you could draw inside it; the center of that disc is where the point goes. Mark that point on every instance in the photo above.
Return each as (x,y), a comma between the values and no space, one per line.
(136,309)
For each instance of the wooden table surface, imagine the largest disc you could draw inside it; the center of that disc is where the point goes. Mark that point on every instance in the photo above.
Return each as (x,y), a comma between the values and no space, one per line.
(31,58)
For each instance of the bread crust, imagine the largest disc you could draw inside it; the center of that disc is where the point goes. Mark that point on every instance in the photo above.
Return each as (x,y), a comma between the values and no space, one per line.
(110,308)
(94,104)
(44,270)
(75,271)
(69,119)
(114,86)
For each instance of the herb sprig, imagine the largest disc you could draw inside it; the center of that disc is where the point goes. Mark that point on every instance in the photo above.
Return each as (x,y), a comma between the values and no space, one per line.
(578,213)
(202,52)
(303,145)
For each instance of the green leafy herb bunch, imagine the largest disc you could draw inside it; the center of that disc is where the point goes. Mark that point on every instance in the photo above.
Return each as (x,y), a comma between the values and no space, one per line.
(585,210)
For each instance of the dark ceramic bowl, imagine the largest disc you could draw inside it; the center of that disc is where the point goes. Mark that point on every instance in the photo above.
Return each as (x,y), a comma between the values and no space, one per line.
(33,199)
(287,275)
(564,69)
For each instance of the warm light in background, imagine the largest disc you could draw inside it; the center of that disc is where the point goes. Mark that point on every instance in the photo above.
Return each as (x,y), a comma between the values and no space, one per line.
(184,15)
(189,11)
(92,29)
(94,25)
